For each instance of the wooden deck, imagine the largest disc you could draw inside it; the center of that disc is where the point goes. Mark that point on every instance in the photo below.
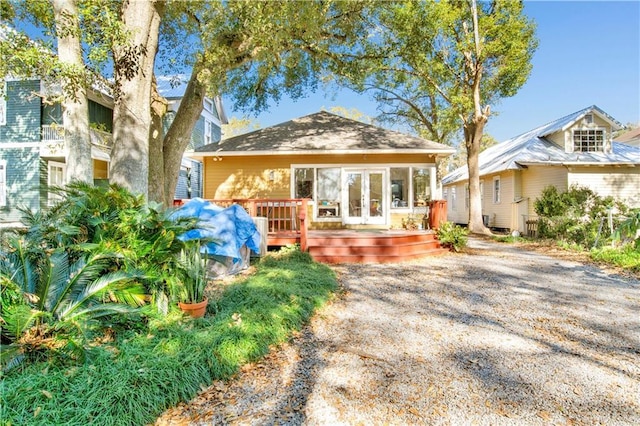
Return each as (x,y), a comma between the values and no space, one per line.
(349,246)
(287,224)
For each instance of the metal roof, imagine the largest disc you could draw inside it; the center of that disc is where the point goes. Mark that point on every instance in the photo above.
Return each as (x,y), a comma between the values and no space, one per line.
(532,148)
(323,132)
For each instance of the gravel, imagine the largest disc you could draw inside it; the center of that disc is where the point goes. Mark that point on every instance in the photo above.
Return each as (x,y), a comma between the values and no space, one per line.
(495,336)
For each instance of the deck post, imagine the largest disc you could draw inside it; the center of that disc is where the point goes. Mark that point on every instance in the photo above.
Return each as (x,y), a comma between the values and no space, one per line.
(303,225)
(253,211)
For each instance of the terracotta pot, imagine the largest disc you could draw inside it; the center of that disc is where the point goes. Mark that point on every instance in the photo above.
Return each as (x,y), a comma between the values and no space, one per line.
(195,310)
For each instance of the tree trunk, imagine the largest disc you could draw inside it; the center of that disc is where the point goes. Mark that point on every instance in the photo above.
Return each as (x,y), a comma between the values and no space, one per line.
(472,137)
(133,70)
(179,134)
(75,106)
(159,108)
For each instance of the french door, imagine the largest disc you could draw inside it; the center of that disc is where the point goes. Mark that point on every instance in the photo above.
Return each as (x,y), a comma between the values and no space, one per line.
(365,196)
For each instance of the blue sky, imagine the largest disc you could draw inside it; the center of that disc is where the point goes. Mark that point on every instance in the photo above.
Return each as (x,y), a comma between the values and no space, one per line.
(588,53)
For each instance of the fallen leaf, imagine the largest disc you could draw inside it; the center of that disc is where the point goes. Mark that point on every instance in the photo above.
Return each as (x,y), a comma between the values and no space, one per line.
(46,393)
(544,415)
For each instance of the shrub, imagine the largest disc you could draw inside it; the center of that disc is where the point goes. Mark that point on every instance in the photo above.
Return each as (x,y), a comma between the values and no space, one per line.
(452,236)
(577,215)
(58,300)
(89,219)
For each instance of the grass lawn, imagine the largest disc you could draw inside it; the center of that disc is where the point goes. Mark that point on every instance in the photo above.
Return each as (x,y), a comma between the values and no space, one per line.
(132,376)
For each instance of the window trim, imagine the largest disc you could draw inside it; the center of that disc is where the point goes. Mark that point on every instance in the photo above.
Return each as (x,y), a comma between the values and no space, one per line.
(52,198)
(497,194)
(454,198)
(399,210)
(591,129)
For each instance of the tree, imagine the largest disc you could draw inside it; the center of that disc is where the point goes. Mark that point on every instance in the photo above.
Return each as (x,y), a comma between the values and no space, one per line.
(75,105)
(435,64)
(351,113)
(28,58)
(255,51)
(239,126)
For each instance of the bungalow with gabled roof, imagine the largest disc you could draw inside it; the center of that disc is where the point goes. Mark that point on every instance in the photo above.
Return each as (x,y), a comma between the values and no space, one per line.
(575,149)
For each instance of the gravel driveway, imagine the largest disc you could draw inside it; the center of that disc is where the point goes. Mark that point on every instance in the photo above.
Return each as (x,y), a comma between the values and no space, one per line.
(496,336)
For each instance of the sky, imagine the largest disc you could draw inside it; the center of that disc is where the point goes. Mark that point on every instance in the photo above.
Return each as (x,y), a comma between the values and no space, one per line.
(588,53)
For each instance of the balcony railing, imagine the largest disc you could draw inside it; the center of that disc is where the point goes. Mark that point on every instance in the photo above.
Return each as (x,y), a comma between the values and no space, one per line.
(55,133)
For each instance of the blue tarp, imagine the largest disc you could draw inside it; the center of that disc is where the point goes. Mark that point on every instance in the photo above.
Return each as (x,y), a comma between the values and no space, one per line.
(230,227)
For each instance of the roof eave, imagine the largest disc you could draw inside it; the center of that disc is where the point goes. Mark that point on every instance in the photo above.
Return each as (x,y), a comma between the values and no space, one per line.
(442,153)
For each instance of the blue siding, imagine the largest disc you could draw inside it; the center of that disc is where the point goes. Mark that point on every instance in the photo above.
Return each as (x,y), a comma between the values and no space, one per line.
(217,133)
(23,112)
(23,181)
(196,179)
(182,188)
(197,136)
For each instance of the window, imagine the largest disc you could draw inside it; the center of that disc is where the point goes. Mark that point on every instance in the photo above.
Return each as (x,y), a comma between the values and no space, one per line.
(588,119)
(303,183)
(208,132)
(55,177)
(453,198)
(3,106)
(208,105)
(496,190)
(329,192)
(399,187)
(3,183)
(466,196)
(421,186)
(588,140)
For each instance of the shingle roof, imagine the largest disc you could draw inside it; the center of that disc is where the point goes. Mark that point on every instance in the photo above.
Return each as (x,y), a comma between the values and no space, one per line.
(324,132)
(533,148)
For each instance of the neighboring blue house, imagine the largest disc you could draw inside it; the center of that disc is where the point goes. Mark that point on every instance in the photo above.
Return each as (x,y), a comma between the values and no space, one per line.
(208,129)
(32,154)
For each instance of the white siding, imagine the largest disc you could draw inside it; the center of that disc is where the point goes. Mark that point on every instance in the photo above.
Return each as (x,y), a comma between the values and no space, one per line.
(536,178)
(622,183)
(499,213)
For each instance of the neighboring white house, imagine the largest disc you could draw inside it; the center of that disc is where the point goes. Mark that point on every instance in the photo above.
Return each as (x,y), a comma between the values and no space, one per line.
(632,137)
(576,149)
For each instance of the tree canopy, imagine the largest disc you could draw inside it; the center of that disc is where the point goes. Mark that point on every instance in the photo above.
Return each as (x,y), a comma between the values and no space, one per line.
(440,66)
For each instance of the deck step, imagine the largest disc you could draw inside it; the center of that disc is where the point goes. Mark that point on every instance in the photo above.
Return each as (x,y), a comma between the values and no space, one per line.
(362,247)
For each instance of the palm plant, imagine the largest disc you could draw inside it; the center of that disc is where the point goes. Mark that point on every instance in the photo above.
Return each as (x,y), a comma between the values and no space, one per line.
(89,218)
(60,298)
(194,273)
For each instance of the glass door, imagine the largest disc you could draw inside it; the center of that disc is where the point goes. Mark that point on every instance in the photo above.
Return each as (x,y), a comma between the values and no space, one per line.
(365,197)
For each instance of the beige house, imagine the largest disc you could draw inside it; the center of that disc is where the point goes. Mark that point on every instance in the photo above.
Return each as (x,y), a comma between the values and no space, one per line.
(356,175)
(576,149)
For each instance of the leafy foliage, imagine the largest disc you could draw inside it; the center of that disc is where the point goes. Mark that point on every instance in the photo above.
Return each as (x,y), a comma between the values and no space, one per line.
(60,299)
(452,236)
(134,378)
(577,215)
(193,277)
(629,229)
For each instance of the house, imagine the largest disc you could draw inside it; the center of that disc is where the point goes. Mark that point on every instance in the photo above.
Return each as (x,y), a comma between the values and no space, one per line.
(576,149)
(632,137)
(32,153)
(208,130)
(356,175)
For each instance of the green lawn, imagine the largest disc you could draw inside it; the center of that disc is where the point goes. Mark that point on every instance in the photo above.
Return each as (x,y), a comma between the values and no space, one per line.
(133,378)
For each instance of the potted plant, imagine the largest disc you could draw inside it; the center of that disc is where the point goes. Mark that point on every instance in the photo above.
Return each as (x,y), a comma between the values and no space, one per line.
(194,280)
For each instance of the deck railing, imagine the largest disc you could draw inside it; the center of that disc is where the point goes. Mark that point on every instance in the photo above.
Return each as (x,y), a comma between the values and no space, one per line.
(286,217)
